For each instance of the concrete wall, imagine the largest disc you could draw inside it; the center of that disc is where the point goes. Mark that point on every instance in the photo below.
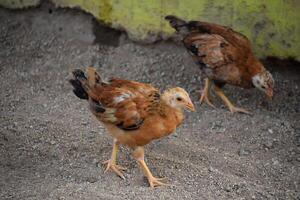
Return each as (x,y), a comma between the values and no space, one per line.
(272,25)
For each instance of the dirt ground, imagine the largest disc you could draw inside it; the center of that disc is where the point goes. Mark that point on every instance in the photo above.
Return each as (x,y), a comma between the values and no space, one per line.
(52,148)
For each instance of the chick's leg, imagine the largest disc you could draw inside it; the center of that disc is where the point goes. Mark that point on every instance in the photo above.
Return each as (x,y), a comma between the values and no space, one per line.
(231,107)
(205,93)
(138,154)
(111,163)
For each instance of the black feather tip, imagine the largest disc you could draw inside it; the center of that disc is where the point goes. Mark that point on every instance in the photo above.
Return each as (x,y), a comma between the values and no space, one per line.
(78,89)
(79,74)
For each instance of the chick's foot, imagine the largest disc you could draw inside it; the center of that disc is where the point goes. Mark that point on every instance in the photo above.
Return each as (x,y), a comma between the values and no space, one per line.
(110,165)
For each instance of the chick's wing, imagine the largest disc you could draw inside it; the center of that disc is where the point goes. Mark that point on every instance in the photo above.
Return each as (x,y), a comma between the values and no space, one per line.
(215,56)
(125,103)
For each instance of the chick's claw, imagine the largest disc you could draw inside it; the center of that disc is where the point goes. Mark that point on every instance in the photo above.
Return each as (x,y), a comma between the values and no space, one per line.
(205,94)
(240,110)
(205,98)
(155,182)
(115,168)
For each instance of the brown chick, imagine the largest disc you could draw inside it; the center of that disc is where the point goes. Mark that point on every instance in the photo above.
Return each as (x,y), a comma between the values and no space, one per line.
(133,113)
(224,56)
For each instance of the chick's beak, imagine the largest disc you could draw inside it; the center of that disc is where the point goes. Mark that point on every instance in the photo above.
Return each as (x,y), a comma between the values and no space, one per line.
(269,94)
(190,106)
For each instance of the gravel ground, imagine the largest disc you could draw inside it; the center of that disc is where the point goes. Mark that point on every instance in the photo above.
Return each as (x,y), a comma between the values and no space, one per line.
(51,147)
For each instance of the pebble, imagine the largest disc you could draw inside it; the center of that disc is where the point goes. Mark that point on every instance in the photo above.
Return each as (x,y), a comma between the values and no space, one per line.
(244,152)
(91,179)
(52,142)
(211,169)
(228,189)
(95,161)
(275,162)
(84,123)
(268,144)
(270,131)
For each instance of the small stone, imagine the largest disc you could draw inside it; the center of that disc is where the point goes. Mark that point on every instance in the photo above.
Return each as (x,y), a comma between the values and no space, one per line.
(275,162)
(270,131)
(235,187)
(52,142)
(84,123)
(244,152)
(228,189)
(211,169)
(268,144)
(91,179)
(95,161)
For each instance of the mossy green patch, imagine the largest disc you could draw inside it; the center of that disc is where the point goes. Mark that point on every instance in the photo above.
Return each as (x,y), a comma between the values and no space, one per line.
(272,25)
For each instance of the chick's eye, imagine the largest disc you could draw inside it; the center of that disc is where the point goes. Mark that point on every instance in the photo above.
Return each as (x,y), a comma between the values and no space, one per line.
(263,87)
(179,99)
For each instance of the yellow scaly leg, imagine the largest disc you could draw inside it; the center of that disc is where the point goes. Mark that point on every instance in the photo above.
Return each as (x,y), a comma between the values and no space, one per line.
(231,107)
(205,94)
(111,163)
(138,154)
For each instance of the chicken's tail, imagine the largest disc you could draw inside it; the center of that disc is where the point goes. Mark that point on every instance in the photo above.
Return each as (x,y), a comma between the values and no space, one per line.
(185,27)
(178,24)
(82,85)
(181,26)
(79,83)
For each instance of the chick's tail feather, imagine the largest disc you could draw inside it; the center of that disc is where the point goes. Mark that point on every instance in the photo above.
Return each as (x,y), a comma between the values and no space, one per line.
(185,27)
(82,85)
(177,23)
(78,82)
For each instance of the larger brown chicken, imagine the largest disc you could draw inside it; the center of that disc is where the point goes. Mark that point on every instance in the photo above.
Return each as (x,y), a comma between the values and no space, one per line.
(133,113)
(225,57)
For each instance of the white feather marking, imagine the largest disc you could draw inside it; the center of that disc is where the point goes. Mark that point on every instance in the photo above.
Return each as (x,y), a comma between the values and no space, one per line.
(141,90)
(122,97)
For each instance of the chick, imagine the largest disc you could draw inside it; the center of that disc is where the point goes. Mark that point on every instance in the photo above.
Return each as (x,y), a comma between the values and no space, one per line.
(133,113)
(224,56)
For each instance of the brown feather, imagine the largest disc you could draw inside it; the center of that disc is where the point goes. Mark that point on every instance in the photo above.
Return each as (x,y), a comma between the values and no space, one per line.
(134,113)
(223,54)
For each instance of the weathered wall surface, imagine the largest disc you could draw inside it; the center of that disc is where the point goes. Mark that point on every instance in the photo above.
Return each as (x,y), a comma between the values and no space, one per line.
(272,25)
(18,3)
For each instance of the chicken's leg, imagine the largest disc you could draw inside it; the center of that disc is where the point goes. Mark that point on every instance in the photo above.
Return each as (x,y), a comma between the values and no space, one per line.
(138,154)
(231,107)
(205,93)
(111,163)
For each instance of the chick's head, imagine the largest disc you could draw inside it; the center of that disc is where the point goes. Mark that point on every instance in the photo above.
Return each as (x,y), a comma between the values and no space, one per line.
(178,98)
(264,82)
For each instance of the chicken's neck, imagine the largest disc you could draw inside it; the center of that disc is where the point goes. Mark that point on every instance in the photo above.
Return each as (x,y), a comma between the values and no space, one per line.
(255,67)
(172,114)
